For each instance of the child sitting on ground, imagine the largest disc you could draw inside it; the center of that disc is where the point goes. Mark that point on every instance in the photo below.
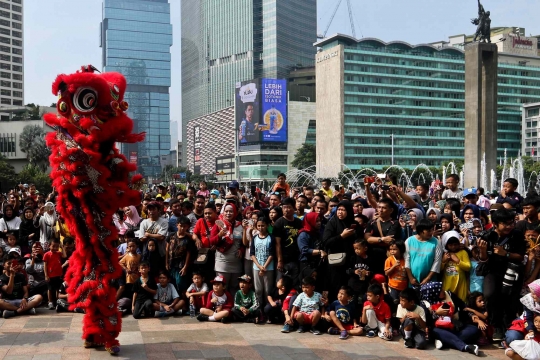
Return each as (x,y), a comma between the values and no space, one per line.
(273,311)
(197,291)
(144,290)
(62,304)
(413,320)
(394,268)
(342,314)
(166,301)
(376,314)
(308,307)
(476,307)
(525,349)
(246,305)
(53,271)
(219,303)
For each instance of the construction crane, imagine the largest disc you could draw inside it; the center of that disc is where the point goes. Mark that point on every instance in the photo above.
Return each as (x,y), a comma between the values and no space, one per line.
(323,35)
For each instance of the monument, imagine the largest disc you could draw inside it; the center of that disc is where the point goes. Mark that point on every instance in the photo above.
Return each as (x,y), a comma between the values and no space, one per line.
(480,100)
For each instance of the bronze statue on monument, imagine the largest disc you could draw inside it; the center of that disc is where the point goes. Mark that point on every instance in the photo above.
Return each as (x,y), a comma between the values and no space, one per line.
(483,22)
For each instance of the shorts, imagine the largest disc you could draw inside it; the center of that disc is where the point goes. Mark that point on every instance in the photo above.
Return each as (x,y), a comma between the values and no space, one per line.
(17,302)
(54,283)
(348,327)
(308,318)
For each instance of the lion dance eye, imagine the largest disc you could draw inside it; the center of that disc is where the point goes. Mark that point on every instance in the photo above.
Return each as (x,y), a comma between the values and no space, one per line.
(85,99)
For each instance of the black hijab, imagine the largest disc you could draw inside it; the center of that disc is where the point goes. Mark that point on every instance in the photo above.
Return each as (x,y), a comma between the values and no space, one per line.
(332,233)
(13,215)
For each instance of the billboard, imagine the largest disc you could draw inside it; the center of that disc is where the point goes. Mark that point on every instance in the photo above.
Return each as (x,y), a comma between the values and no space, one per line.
(274,110)
(197,150)
(133,157)
(247,116)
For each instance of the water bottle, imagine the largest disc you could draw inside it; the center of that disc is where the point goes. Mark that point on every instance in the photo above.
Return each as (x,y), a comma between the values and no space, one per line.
(243,126)
(191,310)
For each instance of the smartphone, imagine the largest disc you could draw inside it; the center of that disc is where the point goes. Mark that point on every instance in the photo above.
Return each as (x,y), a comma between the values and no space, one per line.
(445,306)
(369,179)
(438,227)
(325,294)
(253,189)
(385,187)
(336,187)
(381,176)
(353,226)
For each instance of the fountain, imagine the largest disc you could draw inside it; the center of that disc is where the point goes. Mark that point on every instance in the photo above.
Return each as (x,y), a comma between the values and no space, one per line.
(355,178)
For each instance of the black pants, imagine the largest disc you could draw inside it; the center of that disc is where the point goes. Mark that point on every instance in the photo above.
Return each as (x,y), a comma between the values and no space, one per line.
(274,314)
(145,306)
(250,317)
(502,309)
(292,270)
(418,335)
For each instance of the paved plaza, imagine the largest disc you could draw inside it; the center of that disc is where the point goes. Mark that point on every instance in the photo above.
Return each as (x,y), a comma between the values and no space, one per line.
(51,336)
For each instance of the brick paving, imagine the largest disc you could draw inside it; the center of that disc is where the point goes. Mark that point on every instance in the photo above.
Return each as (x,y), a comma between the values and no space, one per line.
(52,336)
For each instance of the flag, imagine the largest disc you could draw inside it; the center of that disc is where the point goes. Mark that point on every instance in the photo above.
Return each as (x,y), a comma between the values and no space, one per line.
(532,151)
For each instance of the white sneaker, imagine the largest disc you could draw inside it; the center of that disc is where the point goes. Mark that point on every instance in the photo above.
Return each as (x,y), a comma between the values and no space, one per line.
(438,344)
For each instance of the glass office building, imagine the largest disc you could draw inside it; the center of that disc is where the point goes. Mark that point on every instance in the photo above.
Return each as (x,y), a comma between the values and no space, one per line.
(226,42)
(416,93)
(136,36)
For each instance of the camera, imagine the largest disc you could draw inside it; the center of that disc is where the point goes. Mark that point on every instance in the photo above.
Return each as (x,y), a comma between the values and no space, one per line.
(405,217)
(369,179)
(385,187)
(466,225)
(510,278)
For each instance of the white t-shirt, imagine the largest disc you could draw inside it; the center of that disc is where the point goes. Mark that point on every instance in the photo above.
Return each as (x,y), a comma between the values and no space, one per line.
(161,227)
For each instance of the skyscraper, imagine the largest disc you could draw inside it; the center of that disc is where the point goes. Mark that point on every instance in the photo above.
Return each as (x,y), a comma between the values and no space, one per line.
(225,42)
(11,54)
(136,36)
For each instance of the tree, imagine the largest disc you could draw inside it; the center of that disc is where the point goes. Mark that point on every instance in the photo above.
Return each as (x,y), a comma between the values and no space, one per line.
(32,112)
(8,176)
(305,156)
(32,174)
(32,142)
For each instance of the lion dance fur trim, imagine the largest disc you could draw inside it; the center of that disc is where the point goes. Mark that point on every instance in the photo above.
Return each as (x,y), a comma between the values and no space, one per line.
(90,176)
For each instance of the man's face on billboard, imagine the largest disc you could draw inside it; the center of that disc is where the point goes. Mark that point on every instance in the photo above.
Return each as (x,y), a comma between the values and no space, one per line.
(249,112)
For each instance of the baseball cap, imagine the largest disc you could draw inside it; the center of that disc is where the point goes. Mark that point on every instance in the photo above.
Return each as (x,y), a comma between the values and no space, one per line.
(495,207)
(219,201)
(234,184)
(218,279)
(163,185)
(15,250)
(214,192)
(469,191)
(154,204)
(245,278)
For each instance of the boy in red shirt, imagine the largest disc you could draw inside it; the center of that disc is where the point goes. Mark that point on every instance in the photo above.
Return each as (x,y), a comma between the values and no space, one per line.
(53,270)
(219,302)
(376,314)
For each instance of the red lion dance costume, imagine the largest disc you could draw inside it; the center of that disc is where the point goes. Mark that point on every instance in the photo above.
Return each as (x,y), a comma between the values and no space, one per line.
(91,178)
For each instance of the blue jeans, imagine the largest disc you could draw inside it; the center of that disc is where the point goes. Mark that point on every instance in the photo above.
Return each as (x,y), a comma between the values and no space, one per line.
(468,335)
(180,282)
(512,335)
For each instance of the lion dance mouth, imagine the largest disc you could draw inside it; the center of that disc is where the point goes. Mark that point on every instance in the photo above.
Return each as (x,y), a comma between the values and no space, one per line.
(92,180)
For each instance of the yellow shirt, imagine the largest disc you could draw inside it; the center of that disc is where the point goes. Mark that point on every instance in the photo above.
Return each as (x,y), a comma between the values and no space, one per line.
(455,277)
(329,192)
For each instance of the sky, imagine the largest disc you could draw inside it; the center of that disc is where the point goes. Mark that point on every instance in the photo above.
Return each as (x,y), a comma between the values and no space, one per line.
(62,35)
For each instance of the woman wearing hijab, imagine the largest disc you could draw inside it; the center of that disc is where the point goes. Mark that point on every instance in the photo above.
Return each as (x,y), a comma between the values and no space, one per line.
(453,328)
(470,212)
(226,236)
(312,254)
(338,238)
(46,220)
(10,222)
(133,220)
(409,228)
(28,233)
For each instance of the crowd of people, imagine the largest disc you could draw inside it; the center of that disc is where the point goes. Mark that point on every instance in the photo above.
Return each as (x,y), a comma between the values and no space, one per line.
(456,267)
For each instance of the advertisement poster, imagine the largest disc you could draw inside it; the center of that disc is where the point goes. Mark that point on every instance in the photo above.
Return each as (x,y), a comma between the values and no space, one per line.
(133,157)
(274,110)
(248,112)
(197,150)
